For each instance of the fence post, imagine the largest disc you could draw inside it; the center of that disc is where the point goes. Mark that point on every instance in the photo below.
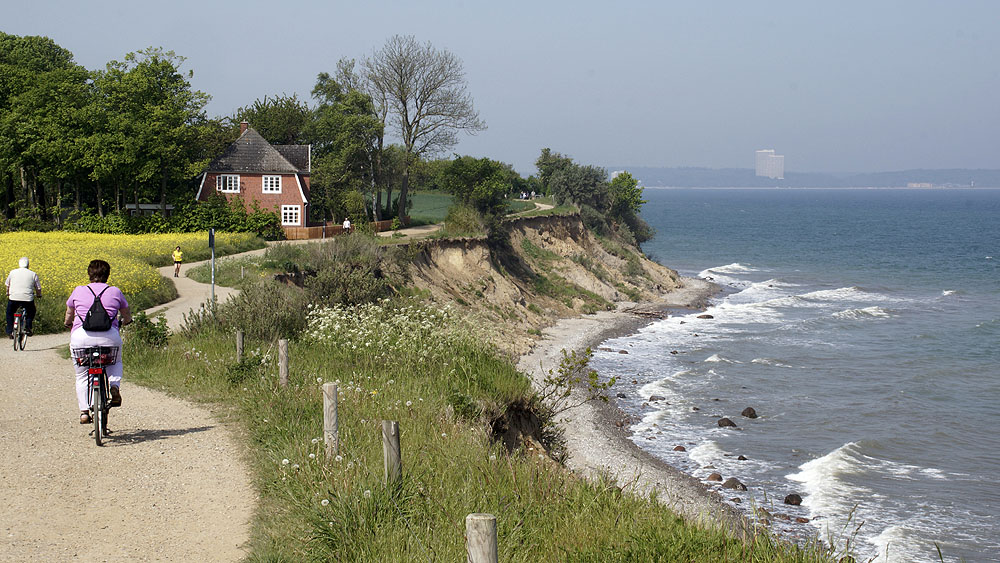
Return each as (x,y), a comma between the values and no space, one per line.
(330,436)
(283,362)
(390,452)
(239,345)
(481,538)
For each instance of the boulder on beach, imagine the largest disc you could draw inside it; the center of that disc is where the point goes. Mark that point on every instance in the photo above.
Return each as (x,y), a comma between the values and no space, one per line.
(654,398)
(621,396)
(715,477)
(735,484)
(725,422)
(695,409)
(623,351)
(749,412)
(793,499)
(802,520)
(680,449)
(705,316)
(737,500)
(742,458)
(674,352)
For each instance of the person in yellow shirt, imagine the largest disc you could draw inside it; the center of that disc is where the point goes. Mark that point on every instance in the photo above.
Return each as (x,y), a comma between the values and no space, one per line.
(178,255)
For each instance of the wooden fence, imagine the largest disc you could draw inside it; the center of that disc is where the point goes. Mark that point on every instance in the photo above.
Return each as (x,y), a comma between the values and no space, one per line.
(332,229)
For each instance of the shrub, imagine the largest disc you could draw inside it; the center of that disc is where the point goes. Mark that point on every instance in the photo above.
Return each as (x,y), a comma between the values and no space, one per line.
(464,220)
(145,332)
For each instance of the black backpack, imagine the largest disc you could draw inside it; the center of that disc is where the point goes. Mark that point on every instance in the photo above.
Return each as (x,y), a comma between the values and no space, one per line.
(97,319)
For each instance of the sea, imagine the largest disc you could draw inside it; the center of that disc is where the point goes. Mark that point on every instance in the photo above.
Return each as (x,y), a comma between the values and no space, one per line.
(863,327)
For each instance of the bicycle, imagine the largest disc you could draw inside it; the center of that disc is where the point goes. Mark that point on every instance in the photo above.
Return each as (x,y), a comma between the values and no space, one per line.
(97,358)
(19,332)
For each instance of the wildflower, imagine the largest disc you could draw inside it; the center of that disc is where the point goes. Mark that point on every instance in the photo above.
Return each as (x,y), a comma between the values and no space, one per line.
(338,459)
(315,440)
(312,456)
(374,392)
(325,502)
(368,493)
(284,461)
(444,434)
(319,380)
(409,403)
(295,466)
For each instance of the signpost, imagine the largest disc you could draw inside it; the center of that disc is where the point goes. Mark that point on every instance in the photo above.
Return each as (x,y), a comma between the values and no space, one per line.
(211,245)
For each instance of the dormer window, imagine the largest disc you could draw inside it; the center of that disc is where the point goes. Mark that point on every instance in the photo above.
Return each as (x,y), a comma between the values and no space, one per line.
(272,185)
(228,183)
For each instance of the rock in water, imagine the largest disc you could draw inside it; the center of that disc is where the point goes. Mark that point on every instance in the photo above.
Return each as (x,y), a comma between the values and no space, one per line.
(705,317)
(680,449)
(621,396)
(742,458)
(724,422)
(793,499)
(715,477)
(654,398)
(749,412)
(735,484)
(623,351)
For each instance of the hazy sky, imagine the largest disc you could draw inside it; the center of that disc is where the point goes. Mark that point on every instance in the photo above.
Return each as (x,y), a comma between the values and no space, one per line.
(834,86)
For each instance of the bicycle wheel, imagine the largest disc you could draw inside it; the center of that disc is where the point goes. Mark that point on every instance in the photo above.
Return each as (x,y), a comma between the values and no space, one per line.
(99,414)
(22,335)
(16,330)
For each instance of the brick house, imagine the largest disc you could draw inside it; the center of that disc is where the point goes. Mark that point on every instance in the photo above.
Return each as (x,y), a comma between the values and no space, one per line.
(275,176)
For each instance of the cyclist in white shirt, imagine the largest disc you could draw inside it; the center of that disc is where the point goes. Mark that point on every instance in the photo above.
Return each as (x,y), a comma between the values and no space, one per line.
(22,288)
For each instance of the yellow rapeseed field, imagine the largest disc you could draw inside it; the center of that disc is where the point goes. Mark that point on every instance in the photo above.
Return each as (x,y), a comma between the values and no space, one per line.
(60,258)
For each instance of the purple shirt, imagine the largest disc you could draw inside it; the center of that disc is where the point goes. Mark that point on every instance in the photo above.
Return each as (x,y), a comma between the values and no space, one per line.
(81,300)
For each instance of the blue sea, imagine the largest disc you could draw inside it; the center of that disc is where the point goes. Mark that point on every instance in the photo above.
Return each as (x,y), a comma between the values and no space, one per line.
(863,326)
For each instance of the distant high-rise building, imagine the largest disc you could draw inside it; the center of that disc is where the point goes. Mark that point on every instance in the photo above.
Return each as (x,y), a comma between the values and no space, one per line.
(770,165)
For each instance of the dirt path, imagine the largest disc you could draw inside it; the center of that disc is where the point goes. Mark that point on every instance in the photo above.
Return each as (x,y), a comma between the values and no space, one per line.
(169,485)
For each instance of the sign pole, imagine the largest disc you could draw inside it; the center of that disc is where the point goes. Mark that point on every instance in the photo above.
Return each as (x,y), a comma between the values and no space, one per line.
(211,245)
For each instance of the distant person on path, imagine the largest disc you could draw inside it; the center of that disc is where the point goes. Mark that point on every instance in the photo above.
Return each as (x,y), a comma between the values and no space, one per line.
(22,288)
(178,256)
(79,302)
(347,225)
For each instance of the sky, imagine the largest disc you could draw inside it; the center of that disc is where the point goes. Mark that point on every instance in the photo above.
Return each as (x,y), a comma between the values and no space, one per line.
(846,86)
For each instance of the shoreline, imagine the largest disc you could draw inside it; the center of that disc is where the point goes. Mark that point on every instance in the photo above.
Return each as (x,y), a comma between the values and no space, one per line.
(596,433)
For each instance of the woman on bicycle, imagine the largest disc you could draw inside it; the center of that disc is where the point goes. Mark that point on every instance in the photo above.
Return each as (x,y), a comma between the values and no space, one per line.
(79,302)
(22,289)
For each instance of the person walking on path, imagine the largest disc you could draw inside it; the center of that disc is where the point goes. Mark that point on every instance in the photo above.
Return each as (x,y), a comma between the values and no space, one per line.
(22,288)
(77,306)
(347,225)
(178,256)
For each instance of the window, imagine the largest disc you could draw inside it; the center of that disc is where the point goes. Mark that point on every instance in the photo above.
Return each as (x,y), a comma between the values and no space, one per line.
(290,214)
(272,184)
(228,183)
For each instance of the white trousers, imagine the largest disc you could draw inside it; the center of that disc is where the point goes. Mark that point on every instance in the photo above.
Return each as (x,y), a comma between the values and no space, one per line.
(83,339)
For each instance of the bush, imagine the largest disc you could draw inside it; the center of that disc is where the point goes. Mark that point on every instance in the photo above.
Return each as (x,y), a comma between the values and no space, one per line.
(145,332)
(352,270)
(594,220)
(464,220)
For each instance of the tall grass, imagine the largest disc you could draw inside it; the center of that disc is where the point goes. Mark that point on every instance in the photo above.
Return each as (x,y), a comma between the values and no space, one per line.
(428,369)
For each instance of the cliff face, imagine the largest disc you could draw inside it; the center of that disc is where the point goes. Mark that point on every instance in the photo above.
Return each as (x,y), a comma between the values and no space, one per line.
(552,268)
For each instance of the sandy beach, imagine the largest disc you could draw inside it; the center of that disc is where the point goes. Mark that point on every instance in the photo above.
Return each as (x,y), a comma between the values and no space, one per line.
(596,433)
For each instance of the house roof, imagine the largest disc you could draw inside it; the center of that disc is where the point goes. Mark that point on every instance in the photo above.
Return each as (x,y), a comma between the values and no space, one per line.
(252,153)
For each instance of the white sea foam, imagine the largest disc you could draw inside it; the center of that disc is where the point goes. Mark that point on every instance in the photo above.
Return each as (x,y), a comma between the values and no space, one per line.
(715,358)
(865,313)
(826,493)
(734,268)
(706,453)
(770,362)
(896,544)
(948,292)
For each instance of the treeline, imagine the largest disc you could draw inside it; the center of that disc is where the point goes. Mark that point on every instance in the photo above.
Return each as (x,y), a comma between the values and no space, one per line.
(78,146)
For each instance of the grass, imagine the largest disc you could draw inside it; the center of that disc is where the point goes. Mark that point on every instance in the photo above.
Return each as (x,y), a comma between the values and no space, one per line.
(557,210)
(429,207)
(428,370)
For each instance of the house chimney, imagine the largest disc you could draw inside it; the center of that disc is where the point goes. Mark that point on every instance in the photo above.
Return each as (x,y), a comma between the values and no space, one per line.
(243,127)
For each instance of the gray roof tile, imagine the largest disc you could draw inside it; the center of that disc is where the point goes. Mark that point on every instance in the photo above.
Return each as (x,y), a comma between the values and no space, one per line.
(252,153)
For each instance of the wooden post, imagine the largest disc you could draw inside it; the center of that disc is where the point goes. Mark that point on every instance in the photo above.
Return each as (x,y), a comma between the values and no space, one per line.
(391,453)
(330,436)
(481,538)
(283,362)
(239,345)
(242,273)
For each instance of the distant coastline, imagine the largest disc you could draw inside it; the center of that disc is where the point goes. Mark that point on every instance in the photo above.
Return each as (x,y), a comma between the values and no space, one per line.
(695,177)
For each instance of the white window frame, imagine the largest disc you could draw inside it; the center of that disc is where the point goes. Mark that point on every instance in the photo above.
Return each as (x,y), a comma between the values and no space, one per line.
(287,214)
(264,188)
(224,183)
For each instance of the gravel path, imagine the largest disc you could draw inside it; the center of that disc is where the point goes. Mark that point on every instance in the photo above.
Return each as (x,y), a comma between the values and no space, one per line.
(169,485)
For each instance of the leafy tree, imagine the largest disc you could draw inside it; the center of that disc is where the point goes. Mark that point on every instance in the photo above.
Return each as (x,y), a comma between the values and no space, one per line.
(281,120)
(479,182)
(549,163)
(345,133)
(582,185)
(626,195)
(425,94)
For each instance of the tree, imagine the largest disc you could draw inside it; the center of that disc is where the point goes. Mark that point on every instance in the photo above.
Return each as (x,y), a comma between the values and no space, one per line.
(425,94)
(281,120)
(549,163)
(626,195)
(480,183)
(344,133)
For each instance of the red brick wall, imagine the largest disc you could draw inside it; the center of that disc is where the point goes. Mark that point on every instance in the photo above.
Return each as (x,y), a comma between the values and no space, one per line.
(251,189)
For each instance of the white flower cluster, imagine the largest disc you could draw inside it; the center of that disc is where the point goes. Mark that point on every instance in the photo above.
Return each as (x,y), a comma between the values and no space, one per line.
(387,330)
